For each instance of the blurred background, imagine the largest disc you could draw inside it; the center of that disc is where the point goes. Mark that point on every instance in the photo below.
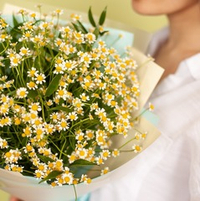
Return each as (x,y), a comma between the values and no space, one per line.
(118,11)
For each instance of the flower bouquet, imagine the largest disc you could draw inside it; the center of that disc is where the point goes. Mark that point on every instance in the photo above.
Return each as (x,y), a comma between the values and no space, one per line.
(70,106)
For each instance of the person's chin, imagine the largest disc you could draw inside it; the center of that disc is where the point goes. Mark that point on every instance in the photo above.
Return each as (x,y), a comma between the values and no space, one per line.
(138,9)
(142,8)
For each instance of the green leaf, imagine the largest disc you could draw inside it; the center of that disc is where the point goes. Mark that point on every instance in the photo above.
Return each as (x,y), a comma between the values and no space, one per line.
(60,108)
(32,94)
(75,26)
(15,32)
(45,159)
(72,142)
(12,93)
(82,162)
(90,17)
(15,22)
(51,175)
(24,141)
(79,27)
(102,33)
(103,16)
(84,30)
(53,85)
(96,32)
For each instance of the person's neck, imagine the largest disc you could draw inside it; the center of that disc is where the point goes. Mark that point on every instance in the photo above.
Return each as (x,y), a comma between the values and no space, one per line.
(183,41)
(185,29)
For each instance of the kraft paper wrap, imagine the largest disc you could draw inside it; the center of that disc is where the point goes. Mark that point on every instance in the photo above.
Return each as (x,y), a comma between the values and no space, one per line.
(28,189)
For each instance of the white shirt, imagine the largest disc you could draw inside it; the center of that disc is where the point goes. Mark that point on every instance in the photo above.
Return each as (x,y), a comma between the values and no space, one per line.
(169,170)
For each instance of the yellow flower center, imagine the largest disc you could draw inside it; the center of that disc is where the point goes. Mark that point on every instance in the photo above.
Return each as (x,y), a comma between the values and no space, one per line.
(27,34)
(15,60)
(34,107)
(22,93)
(31,84)
(86,59)
(27,131)
(8,155)
(39,131)
(29,148)
(63,124)
(68,65)
(67,179)
(82,153)
(58,68)
(41,167)
(40,78)
(58,164)
(3,36)
(137,148)
(36,39)
(46,153)
(90,135)
(100,139)
(32,73)
(24,51)
(61,93)
(72,116)
(38,175)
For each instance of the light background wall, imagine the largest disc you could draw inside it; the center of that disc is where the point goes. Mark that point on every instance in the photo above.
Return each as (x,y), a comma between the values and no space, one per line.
(118,10)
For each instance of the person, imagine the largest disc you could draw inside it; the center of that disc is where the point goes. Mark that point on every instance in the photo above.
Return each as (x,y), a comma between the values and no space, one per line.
(12,198)
(169,170)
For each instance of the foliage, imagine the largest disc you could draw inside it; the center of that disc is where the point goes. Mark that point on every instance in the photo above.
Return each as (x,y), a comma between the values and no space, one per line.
(63,95)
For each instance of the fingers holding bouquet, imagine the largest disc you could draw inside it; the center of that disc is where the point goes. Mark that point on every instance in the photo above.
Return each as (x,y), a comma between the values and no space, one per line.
(14,199)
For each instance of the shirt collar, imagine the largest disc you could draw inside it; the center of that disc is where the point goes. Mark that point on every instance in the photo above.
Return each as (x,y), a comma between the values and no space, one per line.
(193,64)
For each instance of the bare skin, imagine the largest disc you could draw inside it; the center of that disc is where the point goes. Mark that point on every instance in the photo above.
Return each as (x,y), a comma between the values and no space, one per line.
(183,41)
(14,199)
(184,25)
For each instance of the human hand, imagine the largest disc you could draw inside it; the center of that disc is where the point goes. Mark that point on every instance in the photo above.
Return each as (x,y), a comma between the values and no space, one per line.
(14,199)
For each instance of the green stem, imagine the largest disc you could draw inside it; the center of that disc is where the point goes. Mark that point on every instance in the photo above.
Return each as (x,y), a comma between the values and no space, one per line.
(16,133)
(43,112)
(28,172)
(61,151)
(22,72)
(57,23)
(131,150)
(117,39)
(79,123)
(137,130)
(20,77)
(140,114)
(143,64)
(51,65)
(5,48)
(39,60)
(75,193)
(126,143)
(57,147)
